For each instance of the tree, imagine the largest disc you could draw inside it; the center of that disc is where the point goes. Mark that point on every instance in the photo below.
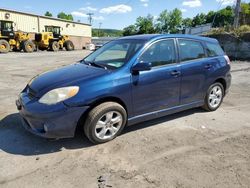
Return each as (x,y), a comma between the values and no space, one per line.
(64,16)
(175,20)
(199,19)
(145,25)
(225,17)
(162,25)
(211,17)
(187,22)
(169,22)
(48,14)
(245,14)
(130,30)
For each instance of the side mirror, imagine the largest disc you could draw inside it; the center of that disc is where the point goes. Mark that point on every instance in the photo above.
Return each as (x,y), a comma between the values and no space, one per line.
(141,67)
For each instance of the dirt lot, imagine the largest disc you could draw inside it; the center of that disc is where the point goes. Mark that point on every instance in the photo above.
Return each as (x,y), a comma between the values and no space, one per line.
(188,149)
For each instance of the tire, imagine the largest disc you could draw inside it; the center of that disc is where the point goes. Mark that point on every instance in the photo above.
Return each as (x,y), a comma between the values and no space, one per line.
(4,46)
(69,46)
(54,46)
(28,46)
(103,132)
(212,97)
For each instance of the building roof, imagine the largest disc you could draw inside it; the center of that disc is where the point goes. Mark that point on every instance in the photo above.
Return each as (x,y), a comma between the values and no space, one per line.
(47,17)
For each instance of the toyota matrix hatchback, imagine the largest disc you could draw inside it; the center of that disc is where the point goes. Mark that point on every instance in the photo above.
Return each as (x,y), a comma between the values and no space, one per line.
(127,81)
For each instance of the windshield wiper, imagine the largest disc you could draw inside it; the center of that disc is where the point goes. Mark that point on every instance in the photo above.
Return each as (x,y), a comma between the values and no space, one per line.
(94,64)
(98,65)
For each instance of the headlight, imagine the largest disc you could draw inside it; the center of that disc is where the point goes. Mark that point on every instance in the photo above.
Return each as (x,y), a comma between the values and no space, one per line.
(60,94)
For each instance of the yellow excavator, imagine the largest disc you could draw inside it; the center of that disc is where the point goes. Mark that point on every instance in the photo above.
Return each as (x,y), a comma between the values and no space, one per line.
(52,40)
(16,41)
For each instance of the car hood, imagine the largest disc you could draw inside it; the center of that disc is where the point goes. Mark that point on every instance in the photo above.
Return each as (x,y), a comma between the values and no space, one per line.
(64,76)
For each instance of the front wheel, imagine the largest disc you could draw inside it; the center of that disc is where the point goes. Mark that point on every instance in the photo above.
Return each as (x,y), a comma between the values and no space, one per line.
(214,97)
(4,46)
(69,46)
(105,122)
(54,46)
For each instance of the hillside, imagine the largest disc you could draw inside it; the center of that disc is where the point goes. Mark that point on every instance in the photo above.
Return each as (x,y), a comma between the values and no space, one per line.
(106,32)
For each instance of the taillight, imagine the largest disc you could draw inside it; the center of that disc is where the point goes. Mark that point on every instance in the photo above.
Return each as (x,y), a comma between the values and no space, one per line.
(227,59)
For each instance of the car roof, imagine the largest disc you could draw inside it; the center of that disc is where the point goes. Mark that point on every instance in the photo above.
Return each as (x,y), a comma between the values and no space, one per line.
(149,37)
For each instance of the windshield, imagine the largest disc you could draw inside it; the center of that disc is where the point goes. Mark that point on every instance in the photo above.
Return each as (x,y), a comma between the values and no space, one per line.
(6,26)
(115,54)
(52,29)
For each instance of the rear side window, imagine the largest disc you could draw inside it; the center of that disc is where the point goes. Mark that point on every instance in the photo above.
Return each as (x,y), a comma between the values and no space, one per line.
(190,50)
(160,53)
(214,50)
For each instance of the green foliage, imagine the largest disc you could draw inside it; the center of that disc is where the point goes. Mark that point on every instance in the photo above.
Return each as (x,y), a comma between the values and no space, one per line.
(245,14)
(242,29)
(130,30)
(48,14)
(229,30)
(169,22)
(225,17)
(106,33)
(145,25)
(64,16)
(172,21)
(162,25)
(199,19)
(175,21)
(187,22)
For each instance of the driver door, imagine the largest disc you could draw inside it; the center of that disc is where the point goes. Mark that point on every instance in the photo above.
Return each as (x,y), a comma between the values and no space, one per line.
(158,88)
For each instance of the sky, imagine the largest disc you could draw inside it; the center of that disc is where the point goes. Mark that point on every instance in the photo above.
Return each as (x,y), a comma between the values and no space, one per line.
(114,14)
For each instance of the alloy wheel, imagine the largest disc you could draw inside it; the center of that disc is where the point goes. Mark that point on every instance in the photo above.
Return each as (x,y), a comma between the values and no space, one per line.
(108,125)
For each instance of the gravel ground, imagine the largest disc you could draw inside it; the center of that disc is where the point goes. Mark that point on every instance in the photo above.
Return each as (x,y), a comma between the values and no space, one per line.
(188,149)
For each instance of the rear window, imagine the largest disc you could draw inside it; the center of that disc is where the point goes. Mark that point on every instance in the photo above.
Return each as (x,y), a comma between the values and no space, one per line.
(214,50)
(190,50)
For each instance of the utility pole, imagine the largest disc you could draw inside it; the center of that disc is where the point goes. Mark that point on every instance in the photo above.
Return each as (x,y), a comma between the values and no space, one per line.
(237,14)
(100,24)
(90,17)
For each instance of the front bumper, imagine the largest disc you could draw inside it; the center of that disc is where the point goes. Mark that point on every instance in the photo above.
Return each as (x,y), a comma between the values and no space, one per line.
(49,121)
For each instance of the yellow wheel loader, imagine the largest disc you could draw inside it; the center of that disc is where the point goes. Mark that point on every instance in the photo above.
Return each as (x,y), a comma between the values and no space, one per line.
(52,40)
(16,41)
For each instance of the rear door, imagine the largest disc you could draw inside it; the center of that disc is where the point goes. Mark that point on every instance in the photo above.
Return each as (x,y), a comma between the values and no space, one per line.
(193,64)
(158,88)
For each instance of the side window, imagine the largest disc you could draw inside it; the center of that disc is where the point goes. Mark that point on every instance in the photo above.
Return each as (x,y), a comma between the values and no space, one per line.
(160,53)
(214,50)
(190,50)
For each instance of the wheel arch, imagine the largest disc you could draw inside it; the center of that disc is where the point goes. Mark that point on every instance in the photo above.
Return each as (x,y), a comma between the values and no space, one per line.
(223,82)
(92,105)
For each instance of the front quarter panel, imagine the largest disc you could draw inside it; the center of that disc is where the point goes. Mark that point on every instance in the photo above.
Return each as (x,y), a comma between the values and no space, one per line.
(115,84)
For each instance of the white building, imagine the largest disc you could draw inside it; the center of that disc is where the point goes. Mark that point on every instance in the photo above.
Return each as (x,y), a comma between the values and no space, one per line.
(79,33)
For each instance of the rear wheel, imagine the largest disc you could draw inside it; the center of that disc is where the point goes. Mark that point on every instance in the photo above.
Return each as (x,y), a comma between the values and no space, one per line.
(54,46)
(69,46)
(105,122)
(214,97)
(4,46)
(28,46)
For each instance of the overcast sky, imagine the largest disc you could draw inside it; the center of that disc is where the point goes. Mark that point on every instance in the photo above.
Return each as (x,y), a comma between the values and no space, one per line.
(115,14)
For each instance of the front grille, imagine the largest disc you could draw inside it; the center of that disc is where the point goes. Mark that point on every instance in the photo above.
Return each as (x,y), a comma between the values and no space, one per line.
(31,93)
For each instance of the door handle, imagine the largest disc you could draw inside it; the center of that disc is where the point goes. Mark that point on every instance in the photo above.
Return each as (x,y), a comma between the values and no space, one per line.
(208,66)
(175,73)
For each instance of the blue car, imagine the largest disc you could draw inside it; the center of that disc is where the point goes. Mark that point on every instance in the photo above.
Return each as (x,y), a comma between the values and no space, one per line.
(127,81)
